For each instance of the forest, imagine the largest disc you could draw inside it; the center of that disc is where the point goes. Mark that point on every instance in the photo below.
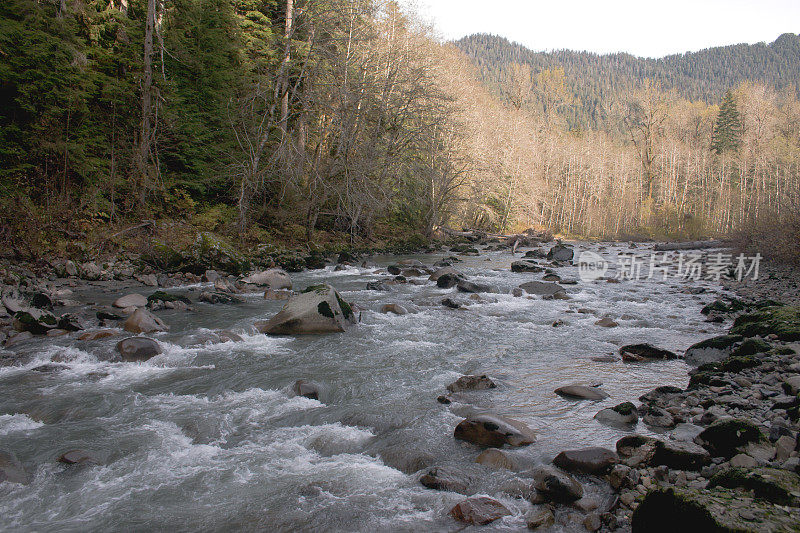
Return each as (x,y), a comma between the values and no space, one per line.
(348,121)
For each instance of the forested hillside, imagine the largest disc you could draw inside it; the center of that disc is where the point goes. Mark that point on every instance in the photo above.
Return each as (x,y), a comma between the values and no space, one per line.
(245,116)
(592,81)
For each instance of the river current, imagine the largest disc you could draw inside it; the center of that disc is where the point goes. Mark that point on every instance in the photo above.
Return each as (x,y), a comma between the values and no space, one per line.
(209,437)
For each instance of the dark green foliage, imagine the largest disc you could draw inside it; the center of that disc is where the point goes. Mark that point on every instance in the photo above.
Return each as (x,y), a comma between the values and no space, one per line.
(752,346)
(347,311)
(728,128)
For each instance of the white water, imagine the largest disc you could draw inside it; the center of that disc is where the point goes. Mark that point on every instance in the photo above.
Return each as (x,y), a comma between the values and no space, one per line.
(209,437)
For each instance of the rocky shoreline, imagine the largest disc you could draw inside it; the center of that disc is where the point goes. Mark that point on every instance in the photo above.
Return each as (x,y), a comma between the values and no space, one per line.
(726,458)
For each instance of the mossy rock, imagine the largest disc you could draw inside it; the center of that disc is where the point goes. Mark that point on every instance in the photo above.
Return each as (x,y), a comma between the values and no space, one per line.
(710,511)
(770,484)
(624,409)
(720,343)
(752,346)
(737,364)
(782,321)
(291,263)
(724,437)
(730,305)
(708,378)
(163,256)
(210,252)
(784,350)
(36,321)
(161,296)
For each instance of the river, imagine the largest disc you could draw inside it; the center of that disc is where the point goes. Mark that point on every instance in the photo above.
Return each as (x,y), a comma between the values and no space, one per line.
(208,437)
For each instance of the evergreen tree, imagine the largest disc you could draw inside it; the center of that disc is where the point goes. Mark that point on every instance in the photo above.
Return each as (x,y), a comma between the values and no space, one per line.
(728,128)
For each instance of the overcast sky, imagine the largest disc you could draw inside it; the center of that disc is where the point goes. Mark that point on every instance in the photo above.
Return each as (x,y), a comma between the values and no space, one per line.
(640,27)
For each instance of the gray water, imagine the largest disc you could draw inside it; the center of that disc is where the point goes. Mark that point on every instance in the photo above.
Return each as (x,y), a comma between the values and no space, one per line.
(210,438)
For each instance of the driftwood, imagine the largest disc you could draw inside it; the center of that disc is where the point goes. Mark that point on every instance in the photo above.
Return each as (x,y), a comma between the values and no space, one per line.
(691,245)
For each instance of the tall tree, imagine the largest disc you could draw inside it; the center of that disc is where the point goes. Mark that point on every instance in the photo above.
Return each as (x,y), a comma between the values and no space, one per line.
(728,128)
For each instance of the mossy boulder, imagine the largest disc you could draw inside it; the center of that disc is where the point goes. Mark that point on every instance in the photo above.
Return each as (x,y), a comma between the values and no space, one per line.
(717,510)
(318,309)
(161,296)
(711,350)
(728,305)
(211,252)
(771,484)
(163,256)
(36,321)
(724,437)
(739,363)
(624,413)
(782,321)
(752,346)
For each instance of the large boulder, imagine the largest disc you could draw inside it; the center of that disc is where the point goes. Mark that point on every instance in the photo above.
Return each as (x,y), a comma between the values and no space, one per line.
(587,460)
(494,431)
(711,350)
(446,478)
(542,288)
(11,470)
(581,392)
(555,485)
(560,252)
(36,321)
(142,321)
(471,383)
(130,300)
(318,309)
(138,349)
(210,252)
(619,415)
(644,352)
(447,281)
(680,455)
(724,437)
(469,286)
(274,278)
(479,511)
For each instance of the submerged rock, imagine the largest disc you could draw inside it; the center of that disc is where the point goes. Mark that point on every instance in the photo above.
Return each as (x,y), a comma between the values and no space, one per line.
(526,266)
(480,511)
(495,458)
(75,457)
(307,389)
(138,349)
(318,309)
(581,392)
(396,309)
(11,469)
(446,478)
(471,383)
(494,431)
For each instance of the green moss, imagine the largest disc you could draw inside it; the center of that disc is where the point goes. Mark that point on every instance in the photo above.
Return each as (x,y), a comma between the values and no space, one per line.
(624,408)
(781,321)
(737,364)
(724,437)
(719,343)
(784,350)
(346,309)
(752,346)
(320,288)
(721,306)
(325,310)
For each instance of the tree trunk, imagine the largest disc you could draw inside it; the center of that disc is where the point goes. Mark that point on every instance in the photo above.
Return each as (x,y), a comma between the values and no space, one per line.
(147,101)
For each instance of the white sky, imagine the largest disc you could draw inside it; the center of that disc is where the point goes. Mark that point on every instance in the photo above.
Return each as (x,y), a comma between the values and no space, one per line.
(640,27)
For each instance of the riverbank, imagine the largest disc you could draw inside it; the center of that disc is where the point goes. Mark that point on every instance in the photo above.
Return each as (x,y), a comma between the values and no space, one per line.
(220,401)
